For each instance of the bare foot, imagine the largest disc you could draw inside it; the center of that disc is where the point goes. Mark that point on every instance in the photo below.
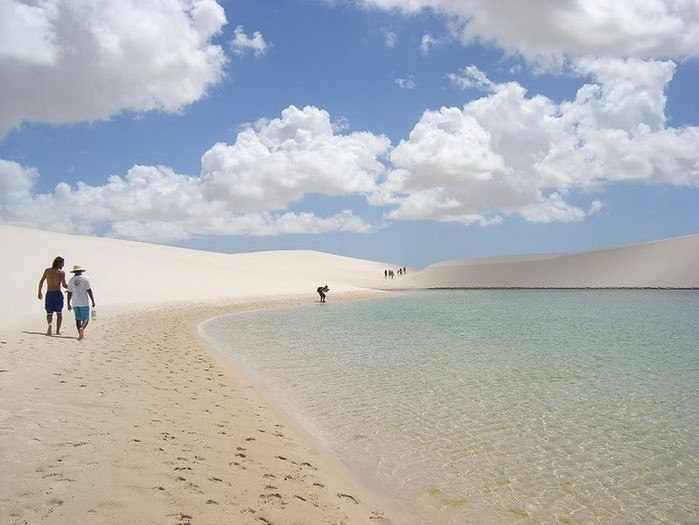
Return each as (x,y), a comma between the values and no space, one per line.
(48,332)
(81,335)
(58,333)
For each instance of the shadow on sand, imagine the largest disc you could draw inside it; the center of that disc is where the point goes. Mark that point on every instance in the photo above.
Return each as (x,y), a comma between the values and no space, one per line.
(61,336)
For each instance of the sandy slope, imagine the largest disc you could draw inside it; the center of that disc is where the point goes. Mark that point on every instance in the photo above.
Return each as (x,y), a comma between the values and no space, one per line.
(141,422)
(125,273)
(672,263)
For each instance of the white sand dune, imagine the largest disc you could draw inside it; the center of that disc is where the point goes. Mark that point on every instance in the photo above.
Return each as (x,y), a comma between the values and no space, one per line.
(131,274)
(671,263)
(126,273)
(141,422)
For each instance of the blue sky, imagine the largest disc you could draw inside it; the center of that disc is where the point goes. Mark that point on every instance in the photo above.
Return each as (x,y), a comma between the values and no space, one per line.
(405,131)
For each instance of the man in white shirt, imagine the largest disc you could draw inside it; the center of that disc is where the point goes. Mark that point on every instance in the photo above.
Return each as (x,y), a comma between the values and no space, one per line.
(80,295)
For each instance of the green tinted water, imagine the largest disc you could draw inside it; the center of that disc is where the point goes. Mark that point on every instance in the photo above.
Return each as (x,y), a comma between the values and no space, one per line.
(502,406)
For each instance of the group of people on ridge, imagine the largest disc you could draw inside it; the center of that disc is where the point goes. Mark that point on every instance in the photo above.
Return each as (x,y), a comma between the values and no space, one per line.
(79,296)
(391,274)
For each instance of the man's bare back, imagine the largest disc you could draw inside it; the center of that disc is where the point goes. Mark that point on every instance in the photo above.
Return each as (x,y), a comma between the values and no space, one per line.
(55,278)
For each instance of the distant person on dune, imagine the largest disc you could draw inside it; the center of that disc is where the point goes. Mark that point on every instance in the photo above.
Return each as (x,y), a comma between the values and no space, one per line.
(55,277)
(322,290)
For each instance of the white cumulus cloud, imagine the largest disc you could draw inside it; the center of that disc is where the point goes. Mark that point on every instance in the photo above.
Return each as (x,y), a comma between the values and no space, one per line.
(275,162)
(406,83)
(243,189)
(27,33)
(243,44)
(512,154)
(92,60)
(535,29)
(16,182)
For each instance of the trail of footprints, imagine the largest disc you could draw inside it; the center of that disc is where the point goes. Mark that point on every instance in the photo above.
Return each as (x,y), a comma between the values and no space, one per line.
(191,472)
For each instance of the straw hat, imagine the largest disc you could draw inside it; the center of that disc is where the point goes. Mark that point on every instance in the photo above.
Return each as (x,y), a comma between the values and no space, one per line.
(77,269)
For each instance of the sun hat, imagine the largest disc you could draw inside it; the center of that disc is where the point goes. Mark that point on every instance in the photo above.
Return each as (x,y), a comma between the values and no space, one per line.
(77,268)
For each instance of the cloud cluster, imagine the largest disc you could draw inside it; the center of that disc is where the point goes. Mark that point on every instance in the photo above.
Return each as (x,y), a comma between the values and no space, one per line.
(245,188)
(545,30)
(275,163)
(88,61)
(505,154)
(509,154)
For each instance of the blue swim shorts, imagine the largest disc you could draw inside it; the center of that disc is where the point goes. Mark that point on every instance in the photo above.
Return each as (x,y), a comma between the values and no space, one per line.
(82,313)
(53,301)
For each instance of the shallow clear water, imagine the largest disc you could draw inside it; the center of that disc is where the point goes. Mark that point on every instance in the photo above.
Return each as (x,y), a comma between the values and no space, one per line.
(497,406)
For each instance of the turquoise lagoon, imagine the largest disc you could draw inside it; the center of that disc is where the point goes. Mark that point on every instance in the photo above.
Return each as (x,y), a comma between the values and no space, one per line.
(494,406)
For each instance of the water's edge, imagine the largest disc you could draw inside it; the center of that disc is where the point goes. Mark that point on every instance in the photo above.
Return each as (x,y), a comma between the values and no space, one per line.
(608,320)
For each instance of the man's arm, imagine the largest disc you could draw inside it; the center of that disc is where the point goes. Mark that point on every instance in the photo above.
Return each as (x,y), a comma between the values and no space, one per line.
(63,280)
(92,297)
(69,297)
(41,285)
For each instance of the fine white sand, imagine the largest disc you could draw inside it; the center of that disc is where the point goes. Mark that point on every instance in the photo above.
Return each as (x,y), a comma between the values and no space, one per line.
(141,422)
(131,274)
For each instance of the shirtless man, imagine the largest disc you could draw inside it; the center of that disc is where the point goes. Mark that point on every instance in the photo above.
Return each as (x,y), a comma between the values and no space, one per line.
(55,277)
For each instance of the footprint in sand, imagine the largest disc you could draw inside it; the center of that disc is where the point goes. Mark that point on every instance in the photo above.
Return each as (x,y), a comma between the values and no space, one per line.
(347,496)
(270,497)
(184,519)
